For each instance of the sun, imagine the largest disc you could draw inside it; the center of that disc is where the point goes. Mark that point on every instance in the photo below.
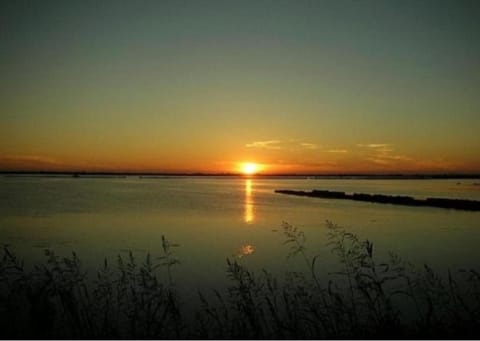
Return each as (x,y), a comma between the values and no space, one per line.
(249,168)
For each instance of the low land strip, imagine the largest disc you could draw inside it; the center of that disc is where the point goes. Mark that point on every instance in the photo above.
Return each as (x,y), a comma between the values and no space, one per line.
(458,204)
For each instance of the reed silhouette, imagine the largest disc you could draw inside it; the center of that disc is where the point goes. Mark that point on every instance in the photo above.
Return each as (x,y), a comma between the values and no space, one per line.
(365,298)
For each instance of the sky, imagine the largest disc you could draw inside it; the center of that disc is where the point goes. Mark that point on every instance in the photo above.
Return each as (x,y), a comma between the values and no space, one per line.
(201,86)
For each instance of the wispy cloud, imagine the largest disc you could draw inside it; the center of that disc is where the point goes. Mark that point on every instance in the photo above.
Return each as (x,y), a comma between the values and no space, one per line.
(397,157)
(285,145)
(374,145)
(382,154)
(378,161)
(303,166)
(307,145)
(269,144)
(29,158)
(339,151)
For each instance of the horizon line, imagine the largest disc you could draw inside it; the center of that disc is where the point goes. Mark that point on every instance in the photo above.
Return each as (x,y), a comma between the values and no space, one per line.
(239,174)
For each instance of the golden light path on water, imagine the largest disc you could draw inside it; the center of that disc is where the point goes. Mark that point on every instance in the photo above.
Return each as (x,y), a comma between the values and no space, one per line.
(249,214)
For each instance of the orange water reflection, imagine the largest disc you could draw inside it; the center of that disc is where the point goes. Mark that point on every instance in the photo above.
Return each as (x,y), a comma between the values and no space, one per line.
(246,250)
(249,214)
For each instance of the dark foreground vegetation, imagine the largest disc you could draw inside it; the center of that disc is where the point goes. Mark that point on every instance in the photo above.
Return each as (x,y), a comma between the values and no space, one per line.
(459,204)
(364,299)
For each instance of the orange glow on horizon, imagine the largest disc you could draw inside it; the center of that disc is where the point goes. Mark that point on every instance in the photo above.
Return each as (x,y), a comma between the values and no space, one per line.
(245,166)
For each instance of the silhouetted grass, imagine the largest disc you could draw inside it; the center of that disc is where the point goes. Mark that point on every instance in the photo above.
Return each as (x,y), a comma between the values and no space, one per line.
(363,299)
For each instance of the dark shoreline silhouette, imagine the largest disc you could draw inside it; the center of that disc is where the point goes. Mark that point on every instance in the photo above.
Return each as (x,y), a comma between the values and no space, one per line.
(458,204)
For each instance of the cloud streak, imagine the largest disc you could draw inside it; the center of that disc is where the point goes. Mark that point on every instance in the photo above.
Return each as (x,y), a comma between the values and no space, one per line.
(337,151)
(382,154)
(269,144)
(377,147)
(283,145)
(307,145)
(29,158)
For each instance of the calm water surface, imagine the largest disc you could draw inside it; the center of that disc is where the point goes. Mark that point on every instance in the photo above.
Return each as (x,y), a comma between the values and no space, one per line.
(217,218)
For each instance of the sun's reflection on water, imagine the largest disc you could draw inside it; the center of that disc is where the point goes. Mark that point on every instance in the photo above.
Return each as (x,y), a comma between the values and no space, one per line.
(249,214)
(246,250)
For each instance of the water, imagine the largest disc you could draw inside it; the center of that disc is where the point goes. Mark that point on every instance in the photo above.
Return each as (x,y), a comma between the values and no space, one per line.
(217,218)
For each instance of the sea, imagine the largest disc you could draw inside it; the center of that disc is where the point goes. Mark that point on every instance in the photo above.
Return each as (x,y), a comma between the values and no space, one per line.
(209,220)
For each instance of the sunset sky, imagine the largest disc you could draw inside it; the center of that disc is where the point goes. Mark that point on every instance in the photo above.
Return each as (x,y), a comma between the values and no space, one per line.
(200,86)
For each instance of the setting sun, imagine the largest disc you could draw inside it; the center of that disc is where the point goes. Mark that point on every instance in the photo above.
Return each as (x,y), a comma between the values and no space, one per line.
(249,168)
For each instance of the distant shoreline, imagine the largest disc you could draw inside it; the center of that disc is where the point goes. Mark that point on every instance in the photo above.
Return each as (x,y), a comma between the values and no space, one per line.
(150,175)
